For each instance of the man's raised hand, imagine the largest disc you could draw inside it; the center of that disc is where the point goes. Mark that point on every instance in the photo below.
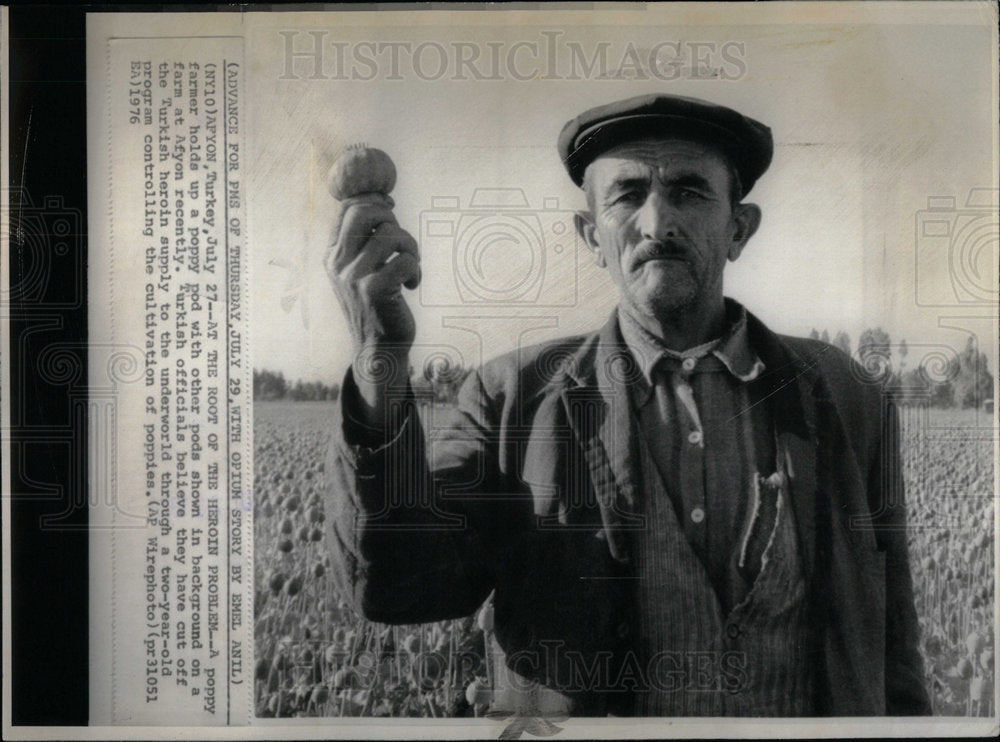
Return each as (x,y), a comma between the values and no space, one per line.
(369,259)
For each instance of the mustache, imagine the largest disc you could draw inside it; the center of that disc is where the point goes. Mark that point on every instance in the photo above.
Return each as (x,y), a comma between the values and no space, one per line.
(658,249)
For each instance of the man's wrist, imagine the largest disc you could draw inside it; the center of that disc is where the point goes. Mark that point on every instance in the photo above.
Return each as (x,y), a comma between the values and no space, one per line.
(380,376)
(368,427)
(381,368)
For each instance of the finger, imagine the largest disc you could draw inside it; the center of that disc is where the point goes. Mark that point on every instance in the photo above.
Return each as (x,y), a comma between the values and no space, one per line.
(387,282)
(378,251)
(406,245)
(388,241)
(358,223)
(412,283)
(405,242)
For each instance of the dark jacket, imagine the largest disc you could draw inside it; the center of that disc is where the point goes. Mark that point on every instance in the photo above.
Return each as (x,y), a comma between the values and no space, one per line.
(530,489)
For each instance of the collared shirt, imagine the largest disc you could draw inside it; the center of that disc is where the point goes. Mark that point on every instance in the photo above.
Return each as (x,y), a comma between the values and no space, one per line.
(709,437)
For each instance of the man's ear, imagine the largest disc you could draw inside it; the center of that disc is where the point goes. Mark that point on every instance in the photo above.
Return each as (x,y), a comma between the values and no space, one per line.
(746,219)
(585,227)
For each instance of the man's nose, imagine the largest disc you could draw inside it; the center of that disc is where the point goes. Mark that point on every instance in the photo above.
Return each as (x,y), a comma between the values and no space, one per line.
(657,218)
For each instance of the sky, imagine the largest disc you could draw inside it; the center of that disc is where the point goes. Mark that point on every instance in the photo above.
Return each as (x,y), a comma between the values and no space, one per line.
(883,133)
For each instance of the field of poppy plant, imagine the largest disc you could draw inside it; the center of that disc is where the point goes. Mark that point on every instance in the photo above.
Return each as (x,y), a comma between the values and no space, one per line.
(315,657)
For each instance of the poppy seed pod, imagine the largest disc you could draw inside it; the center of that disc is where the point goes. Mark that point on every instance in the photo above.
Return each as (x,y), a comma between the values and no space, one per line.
(360,169)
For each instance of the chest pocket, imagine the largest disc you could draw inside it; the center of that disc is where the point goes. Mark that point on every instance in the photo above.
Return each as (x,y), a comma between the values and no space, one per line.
(553,470)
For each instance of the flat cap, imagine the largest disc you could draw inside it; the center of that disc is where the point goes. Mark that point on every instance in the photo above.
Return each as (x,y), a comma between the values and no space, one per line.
(746,142)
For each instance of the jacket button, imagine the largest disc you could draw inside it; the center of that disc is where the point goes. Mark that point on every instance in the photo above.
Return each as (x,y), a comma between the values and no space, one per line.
(623,630)
(733,631)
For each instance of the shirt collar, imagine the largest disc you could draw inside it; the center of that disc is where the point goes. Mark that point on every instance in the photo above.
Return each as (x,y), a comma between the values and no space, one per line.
(732,348)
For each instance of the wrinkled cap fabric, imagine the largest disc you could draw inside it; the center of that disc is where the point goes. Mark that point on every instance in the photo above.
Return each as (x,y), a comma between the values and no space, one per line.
(747,143)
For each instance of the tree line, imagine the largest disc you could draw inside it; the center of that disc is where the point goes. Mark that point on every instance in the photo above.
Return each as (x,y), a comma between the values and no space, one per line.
(270,385)
(959,380)
(439,382)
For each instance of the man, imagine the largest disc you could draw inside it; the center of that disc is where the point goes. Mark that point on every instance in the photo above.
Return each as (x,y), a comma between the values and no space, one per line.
(679,514)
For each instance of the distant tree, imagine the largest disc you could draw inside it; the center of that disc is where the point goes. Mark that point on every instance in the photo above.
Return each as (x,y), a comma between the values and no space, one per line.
(914,387)
(973,381)
(269,385)
(874,341)
(875,355)
(843,341)
(943,394)
(967,381)
(825,336)
(814,334)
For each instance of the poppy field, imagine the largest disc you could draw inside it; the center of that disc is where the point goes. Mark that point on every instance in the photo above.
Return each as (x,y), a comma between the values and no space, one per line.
(315,657)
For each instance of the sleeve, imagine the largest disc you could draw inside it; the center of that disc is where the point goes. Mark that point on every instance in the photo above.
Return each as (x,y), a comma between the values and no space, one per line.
(404,549)
(905,691)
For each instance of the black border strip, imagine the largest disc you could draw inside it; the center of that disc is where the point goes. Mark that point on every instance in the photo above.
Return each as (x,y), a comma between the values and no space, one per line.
(49,540)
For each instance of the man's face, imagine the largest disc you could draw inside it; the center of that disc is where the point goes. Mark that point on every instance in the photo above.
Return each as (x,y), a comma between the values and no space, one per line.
(663,223)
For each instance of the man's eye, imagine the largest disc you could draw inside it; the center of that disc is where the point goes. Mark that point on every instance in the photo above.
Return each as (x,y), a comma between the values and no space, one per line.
(688,194)
(629,197)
